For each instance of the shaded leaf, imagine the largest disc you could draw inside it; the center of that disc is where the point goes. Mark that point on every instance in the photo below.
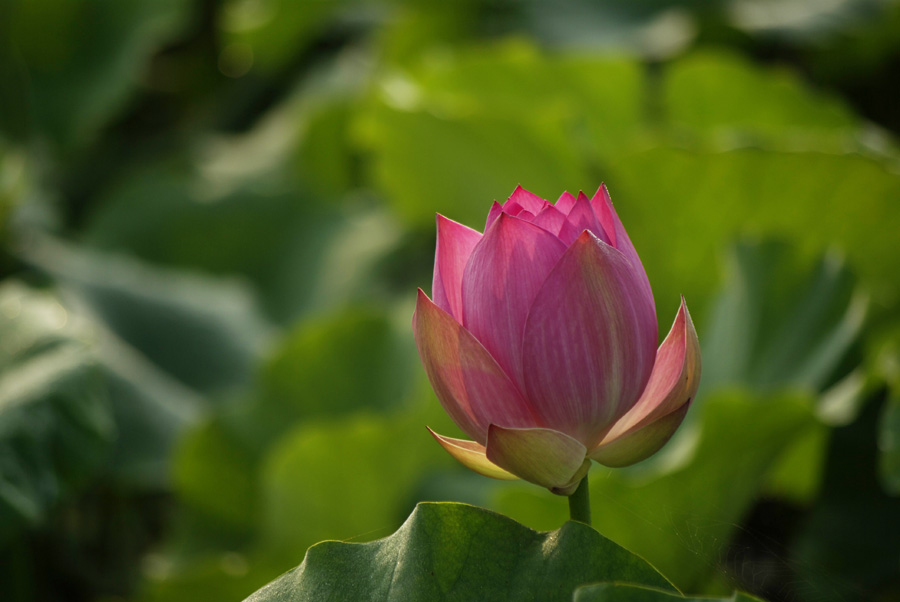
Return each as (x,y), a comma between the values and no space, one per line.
(618,592)
(455,552)
(348,479)
(82,58)
(415,149)
(850,543)
(779,322)
(205,332)
(721,195)
(725,95)
(56,427)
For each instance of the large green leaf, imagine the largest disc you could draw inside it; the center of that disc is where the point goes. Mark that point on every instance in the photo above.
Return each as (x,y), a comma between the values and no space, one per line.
(456,552)
(274,33)
(352,478)
(750,191)
(725,95)
(206,332)
(619,592)
(780,322)
(351,359)
(82,58)
(849,545)
(457,166)
(56,426)
(301,252)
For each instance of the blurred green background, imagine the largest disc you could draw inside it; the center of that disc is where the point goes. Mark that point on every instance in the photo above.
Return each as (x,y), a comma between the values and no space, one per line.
(214,215)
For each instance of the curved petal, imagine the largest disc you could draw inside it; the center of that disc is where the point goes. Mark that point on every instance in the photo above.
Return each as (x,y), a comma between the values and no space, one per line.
(471,455)
(505,272)
(454,246)
(669,392)
(581,217)
(541,456)
(493,214)
(471,387)
(565,202)
(590,341)
(640,444)
(615,231)
(554,221)
(528,200)
(512,208)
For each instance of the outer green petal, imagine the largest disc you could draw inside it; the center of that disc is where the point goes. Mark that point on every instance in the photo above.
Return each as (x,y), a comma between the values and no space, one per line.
(542,456)
(471,455)
(640,444)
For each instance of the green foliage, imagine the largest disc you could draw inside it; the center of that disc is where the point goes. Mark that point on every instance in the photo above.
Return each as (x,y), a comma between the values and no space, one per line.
(56,421)
(617,592)
(222,211)
(81,58)
(457,552)
(779,323)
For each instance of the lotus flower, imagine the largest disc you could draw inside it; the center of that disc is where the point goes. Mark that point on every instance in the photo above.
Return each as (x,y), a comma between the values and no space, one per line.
(540,343)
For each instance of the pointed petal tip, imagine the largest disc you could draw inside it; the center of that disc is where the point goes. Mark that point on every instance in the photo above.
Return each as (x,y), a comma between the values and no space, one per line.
(589,238)
(472,455)
(639,445)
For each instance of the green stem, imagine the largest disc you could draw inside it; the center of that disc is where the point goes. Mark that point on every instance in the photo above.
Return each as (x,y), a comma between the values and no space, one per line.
(580,503)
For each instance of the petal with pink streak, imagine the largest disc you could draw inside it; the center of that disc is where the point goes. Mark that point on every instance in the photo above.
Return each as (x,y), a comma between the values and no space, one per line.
(512,208)
(469,383)
(493,214)
(528,200)
(472,456)
(590,341)
(454,246)
(565,202)
(673,384)
(504,273)
(554,221)
(581,217)
(609,220)
(541,456)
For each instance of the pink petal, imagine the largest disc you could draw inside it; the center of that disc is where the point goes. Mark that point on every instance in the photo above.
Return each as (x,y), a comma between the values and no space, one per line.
(601,203)
(504,273)
(472,456)
(660,409)
(606,214)
(512,208)
(529,201)
(541,456)
(565,202)
(590,341)
(493,214)
(581,217)
(472,388)
(454,246)
(554,221)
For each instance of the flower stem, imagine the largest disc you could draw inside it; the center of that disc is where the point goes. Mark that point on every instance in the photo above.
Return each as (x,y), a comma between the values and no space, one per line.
(580,503)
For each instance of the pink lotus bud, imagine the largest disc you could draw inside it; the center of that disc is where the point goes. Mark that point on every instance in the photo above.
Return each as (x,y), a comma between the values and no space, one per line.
(541,343)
